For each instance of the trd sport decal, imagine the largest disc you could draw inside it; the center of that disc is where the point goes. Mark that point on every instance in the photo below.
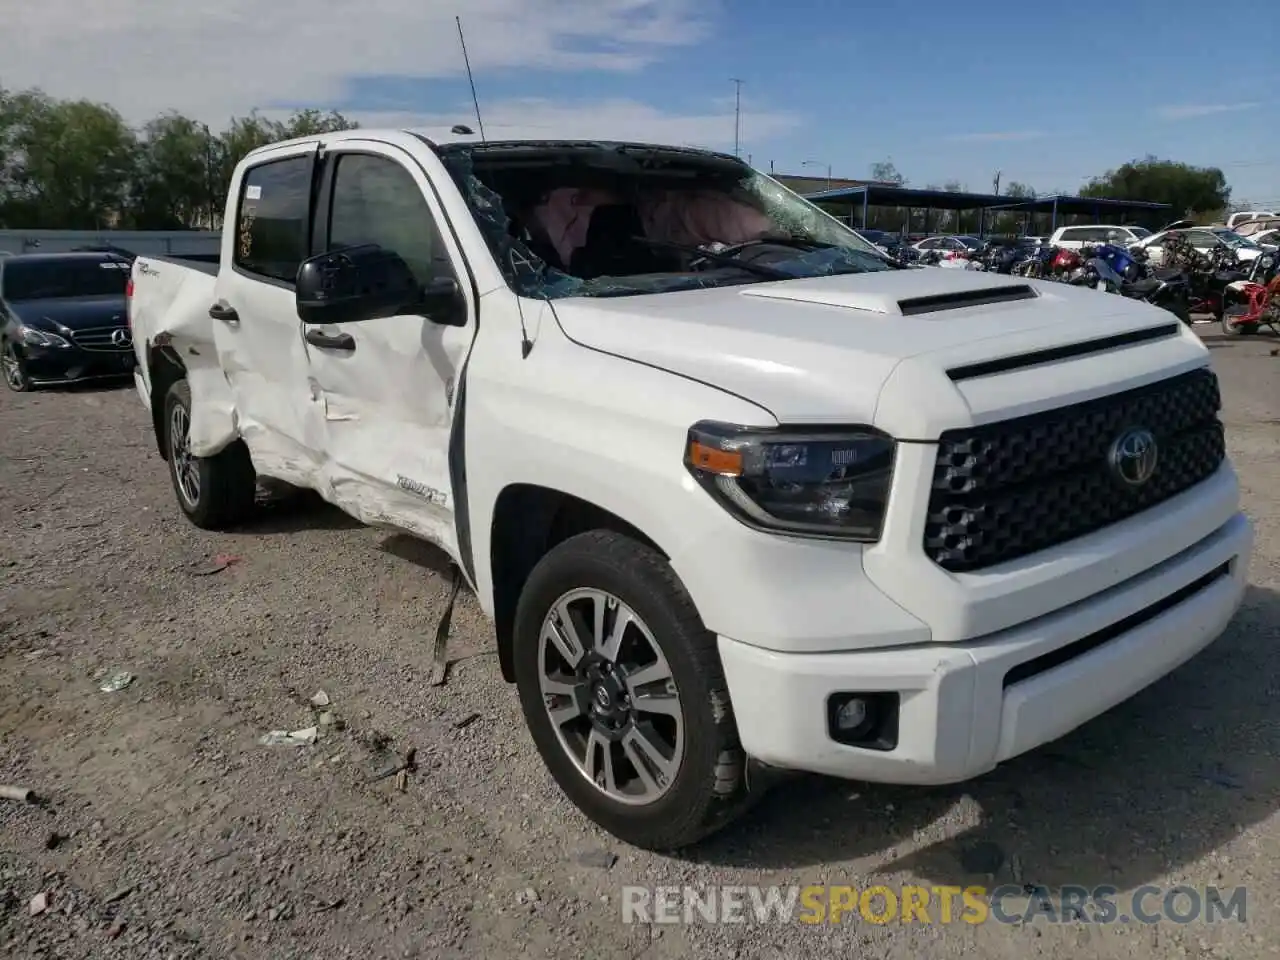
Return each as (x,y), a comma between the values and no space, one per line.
(422,490)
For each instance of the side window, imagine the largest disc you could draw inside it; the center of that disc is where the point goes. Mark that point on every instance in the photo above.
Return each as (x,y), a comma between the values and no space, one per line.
(1071,234)
(376,200)
(271,229)
(929,245)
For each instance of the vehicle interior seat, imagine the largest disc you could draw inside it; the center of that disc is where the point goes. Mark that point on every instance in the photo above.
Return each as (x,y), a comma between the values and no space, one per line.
(611,248)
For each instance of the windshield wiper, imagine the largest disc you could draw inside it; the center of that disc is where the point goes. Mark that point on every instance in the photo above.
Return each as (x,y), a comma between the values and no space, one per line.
(728,260)
(805,243)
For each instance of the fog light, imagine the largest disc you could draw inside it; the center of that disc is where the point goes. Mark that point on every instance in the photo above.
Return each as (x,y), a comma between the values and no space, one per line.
(851,714)
(862,719)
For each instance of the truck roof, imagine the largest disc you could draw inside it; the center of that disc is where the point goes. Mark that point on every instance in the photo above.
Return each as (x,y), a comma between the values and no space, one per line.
(451,141)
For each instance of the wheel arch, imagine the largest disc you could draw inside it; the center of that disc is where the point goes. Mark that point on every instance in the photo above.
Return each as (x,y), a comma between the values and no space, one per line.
(529,520)
(164,369)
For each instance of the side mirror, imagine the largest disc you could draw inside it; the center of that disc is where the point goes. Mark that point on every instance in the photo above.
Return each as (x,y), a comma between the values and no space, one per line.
(442,302)
(355,284)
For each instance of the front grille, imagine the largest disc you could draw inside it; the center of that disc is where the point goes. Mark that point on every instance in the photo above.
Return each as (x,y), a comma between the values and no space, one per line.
(99,338)
(1008,489)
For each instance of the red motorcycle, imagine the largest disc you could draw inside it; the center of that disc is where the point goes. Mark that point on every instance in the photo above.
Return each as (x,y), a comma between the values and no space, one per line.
(1259,296)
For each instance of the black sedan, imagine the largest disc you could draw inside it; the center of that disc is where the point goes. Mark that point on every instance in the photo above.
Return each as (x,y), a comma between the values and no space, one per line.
(63,318)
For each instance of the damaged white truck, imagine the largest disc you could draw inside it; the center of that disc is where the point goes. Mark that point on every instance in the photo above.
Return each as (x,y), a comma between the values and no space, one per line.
(739,494)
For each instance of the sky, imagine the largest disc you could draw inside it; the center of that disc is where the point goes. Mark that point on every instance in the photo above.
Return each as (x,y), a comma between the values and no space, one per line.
(1044,94)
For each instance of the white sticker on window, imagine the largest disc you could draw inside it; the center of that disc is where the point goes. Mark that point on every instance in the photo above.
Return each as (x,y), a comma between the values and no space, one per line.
(114,265)
(253,193)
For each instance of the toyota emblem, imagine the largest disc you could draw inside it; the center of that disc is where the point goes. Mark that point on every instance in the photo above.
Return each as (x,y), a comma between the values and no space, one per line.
(1133,457)
(121,338)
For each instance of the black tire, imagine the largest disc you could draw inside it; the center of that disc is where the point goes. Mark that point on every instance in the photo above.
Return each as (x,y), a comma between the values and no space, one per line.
(15,368)
(227,481)
(709,788)
(1237,329)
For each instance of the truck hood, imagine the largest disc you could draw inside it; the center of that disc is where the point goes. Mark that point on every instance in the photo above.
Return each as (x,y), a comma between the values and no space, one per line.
(71,313)
(877,348)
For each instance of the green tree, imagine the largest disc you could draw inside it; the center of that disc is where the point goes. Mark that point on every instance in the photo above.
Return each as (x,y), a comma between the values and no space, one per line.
(70,164)
(1188,190)
(886,172)
(176,184)
(308,123)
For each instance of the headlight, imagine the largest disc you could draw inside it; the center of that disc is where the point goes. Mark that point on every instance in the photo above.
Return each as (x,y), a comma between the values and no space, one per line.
(817,482)
(41,338)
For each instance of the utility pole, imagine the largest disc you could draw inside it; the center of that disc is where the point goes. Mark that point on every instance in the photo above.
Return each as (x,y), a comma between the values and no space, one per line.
(996,189)
(815,163)
(208,172)
(737,112)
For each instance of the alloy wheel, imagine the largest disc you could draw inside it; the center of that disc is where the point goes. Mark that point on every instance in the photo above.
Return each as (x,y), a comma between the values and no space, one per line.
(12,364)
(185,468)
(611,697)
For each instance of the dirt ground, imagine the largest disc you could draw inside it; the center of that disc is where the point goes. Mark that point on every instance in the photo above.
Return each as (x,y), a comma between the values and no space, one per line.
(170,831)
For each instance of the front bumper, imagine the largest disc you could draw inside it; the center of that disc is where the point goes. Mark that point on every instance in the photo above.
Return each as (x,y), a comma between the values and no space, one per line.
(961,709)
(60,365)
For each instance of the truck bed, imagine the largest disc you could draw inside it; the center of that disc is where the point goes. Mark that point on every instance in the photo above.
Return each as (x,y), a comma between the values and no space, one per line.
(169,311)
(204,262)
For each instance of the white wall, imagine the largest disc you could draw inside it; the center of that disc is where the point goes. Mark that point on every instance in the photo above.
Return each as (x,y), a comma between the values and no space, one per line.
(175,242)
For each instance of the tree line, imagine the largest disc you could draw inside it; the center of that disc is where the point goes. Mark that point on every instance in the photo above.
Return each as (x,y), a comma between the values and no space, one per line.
(77,165)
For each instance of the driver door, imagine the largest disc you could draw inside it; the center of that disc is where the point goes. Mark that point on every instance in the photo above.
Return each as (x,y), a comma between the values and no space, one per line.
(385,388)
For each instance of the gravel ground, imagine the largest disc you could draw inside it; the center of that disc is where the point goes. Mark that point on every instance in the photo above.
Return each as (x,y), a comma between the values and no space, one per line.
(169,831)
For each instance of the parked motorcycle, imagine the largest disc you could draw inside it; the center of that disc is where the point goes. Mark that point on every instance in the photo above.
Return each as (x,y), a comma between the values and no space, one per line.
(1037,262)
(1119,258)
(1261,292)
(1217,283)
(1170,293)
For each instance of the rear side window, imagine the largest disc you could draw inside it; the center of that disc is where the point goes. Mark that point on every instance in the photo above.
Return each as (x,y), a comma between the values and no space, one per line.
(271,230)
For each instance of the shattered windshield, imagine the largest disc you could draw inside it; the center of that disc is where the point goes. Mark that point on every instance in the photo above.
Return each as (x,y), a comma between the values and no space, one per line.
(605,219)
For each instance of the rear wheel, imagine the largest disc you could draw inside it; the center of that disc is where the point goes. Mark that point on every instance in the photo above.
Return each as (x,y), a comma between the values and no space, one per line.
(14,368)
(624,693)
(214,492)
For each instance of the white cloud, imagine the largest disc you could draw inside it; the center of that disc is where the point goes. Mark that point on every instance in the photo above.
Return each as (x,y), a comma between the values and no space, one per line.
(538,119)
(214,60)
(1189,111)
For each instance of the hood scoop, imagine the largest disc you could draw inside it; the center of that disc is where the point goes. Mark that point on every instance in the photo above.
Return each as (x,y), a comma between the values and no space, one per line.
(936,303)
(929,290)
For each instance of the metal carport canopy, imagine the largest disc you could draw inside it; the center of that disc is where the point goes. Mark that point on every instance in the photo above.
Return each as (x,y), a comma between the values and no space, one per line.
(888,196)
(1079,205)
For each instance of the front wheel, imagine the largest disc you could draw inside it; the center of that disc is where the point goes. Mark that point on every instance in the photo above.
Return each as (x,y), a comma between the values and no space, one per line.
(624,694)
(14,368)
(1231,329)
(214,492)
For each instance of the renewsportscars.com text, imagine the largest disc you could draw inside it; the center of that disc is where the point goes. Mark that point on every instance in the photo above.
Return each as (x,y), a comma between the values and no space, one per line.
(831,904)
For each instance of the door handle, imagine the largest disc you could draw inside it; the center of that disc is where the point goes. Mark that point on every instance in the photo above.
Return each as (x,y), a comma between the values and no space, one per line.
(341,341)
(225,312)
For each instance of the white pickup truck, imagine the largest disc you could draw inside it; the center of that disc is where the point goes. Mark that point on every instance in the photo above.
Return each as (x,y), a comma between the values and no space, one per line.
(739,494)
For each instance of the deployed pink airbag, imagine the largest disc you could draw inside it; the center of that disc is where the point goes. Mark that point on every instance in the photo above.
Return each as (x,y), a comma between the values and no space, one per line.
(700,217)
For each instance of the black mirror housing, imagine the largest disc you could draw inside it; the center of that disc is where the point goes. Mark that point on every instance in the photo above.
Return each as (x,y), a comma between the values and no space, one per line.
(354,284)
(442,302)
